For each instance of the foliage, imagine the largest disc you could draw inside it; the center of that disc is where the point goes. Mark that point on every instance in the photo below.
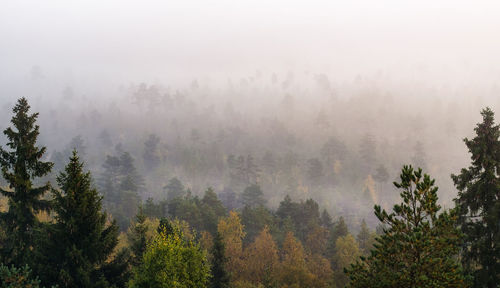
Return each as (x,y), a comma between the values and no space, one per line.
(478,203)
(81,241)
(418,246)
(138,237)
(17,278)
(261,259)
(19,167)
(232,233)
(220,277)
(172,261)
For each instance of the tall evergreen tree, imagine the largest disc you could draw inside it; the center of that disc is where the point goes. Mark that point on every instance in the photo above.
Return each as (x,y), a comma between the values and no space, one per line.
(81,240)
(20,166)
(418,247)
(478,203)
(220,277)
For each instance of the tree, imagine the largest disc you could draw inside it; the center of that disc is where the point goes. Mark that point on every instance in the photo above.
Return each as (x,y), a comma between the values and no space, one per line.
(150,155)
(211,210)
(174,189)
(367,151)
(346,253)
(20,166)
(315,171)
(419,157)
(172,261)
(232,233)
(220,276)
(340,230)
(293,270)
(478,203)
(253,196)
(381,175)
(81,241)
(138,238)
(261,259)
(365,238)
(418,247)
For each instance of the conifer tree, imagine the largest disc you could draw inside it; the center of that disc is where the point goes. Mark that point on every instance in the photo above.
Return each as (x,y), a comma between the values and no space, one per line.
(478,203)
(220,276)
(20,167)
(137,238)
(418,247)
(81,241)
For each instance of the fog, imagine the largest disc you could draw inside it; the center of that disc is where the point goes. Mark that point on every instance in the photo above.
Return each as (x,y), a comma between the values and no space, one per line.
(218,78)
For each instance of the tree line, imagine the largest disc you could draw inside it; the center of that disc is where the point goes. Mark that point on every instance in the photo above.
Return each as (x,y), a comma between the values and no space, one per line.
(61,236)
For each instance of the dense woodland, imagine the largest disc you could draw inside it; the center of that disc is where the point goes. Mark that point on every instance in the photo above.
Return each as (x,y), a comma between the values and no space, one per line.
(237,205)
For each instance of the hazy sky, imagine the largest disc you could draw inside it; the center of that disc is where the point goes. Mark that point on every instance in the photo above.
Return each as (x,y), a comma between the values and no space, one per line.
(178,40)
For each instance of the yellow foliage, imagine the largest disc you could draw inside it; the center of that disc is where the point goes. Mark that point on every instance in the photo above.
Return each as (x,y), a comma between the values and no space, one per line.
(261,258)
(232,233)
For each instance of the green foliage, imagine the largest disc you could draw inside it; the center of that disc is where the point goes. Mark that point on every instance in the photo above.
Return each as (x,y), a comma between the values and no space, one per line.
(17,278)
(220,276)
(174,189)
(253,196)
(478,203)
(81,241)
(121,183)
(172,261)
(418,246)
(137,238)
(19,167)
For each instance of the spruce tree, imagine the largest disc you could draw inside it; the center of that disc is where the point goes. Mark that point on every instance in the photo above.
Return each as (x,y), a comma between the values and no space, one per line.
(137,238)
(20,167)
(220,277)
(419,246)
(81,240)
(478,203)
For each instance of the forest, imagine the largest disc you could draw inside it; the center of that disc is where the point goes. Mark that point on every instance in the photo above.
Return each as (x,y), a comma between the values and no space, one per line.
(249,144)
(64,227)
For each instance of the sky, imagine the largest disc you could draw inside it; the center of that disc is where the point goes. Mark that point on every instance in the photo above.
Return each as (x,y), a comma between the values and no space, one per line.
(175,41)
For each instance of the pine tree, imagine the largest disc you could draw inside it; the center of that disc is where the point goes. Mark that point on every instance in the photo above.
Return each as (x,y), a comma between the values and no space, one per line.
(220,276)
(81,239)
(478,203)
(418,247)
(137,238)
(19,167)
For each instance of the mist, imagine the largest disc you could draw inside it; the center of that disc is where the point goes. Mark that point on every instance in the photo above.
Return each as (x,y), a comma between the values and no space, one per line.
(397,71)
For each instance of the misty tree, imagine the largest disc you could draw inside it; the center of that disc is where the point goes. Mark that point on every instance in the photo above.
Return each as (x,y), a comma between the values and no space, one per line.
(253,196)
(20,167)
(105,138)
(78,144)
(151,154)
(120,184)
(419,157)
(381,174)
(367,152)
(243,171)
(315,171)
(174,189)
